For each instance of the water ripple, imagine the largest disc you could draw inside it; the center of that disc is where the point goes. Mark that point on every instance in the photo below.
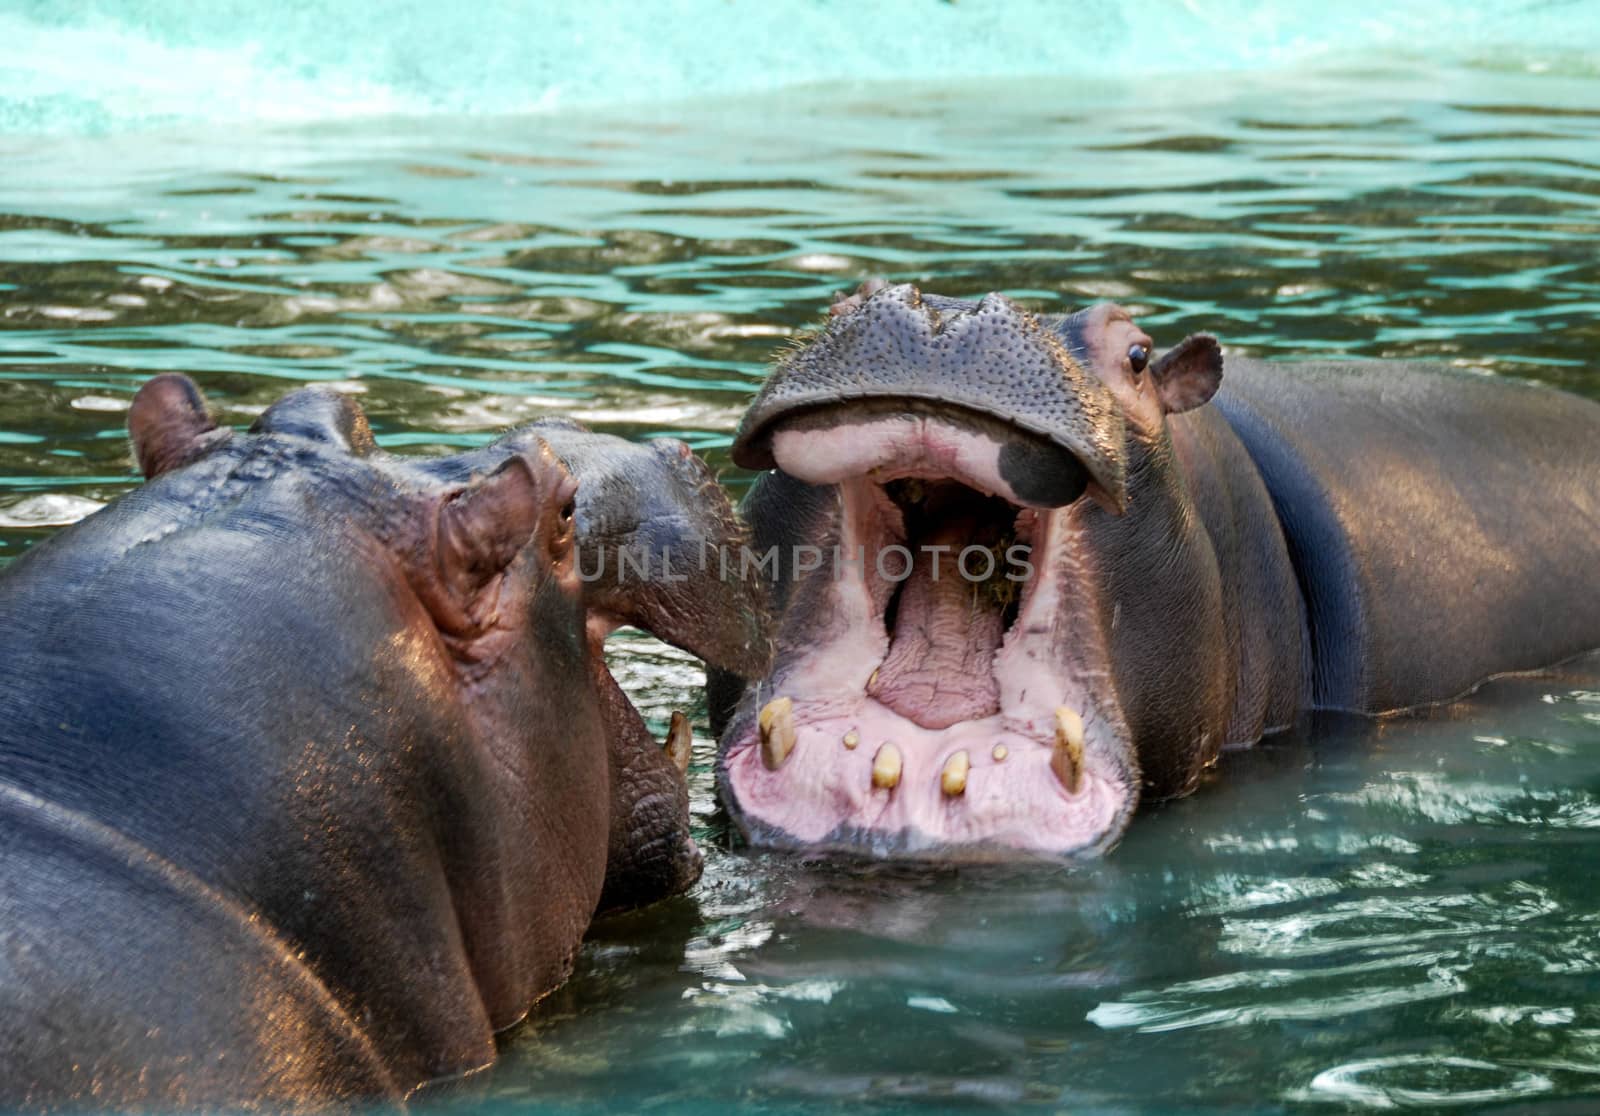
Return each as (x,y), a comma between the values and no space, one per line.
(1360,915)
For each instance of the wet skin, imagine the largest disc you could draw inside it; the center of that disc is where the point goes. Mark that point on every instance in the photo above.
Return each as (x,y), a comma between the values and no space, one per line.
(311,772)
(1204,557)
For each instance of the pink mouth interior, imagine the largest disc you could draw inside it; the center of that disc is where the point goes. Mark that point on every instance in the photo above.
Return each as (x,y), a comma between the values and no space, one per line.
(939,663)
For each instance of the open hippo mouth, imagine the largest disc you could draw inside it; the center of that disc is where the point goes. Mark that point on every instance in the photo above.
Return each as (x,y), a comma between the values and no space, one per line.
(942,683)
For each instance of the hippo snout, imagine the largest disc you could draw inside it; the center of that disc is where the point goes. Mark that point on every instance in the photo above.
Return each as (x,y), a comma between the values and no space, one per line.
(1006,397)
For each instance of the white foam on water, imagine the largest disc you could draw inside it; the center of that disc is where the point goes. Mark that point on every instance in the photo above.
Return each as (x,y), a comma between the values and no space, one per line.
(98,67)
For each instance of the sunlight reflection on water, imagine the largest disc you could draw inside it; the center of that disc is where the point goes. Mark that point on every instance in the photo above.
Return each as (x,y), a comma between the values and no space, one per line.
(1368,916)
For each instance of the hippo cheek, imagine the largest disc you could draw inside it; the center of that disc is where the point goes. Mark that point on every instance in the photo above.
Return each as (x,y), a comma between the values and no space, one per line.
(524,842)
(652,527)
(497,576)
(489,552)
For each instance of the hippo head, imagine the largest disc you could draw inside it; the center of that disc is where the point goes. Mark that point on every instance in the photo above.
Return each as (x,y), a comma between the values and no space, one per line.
(481,555)
(952,483)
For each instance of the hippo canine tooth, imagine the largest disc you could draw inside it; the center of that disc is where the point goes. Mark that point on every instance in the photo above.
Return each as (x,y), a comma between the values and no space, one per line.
(1066,758)
(886,766)
(777,731)
(679,742)
(953,779)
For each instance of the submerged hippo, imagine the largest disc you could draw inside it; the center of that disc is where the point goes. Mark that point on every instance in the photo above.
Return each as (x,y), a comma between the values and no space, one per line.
(311,772)
(1154,569)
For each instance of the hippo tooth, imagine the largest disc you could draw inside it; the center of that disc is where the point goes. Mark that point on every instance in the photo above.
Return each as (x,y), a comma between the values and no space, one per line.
(678,742)
(953,779)
(851,739)
(886,767)
(777,732)
(1000,753)
(1066,759)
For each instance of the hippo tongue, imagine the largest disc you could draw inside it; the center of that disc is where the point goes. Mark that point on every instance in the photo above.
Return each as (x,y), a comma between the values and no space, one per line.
(945,631)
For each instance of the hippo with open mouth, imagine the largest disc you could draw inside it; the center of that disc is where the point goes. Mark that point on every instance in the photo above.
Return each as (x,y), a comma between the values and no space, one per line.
(1028,572)
(312,775)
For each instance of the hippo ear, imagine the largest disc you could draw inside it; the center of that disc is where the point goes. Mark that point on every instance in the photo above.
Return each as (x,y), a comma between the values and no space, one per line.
(482,528)
(1188,374)
(322,415)
(169,424)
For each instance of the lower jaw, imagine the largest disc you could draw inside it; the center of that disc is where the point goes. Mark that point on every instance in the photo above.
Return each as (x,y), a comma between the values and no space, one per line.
(1009,805)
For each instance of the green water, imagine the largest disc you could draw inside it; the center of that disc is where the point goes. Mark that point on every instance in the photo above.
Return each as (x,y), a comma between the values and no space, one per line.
(1349,916)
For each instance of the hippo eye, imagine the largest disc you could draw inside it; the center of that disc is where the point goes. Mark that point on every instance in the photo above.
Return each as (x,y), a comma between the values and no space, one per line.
(1138,356)
(568,510)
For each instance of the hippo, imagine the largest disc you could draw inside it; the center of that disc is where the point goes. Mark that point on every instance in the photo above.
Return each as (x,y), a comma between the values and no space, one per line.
(312,775)
(1143,563)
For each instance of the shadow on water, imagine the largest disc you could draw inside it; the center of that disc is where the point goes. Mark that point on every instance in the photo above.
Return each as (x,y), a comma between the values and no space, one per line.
(1350,915)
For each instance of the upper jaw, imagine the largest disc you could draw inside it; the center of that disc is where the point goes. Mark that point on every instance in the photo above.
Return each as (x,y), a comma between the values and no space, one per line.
(908,437)
(988,358)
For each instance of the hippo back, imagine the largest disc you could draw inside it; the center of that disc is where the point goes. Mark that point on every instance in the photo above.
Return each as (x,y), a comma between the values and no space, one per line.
(1444,526)
(178,992)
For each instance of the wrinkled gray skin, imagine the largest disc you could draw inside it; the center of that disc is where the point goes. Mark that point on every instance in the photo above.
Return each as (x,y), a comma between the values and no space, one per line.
(1360,536)
(311,776)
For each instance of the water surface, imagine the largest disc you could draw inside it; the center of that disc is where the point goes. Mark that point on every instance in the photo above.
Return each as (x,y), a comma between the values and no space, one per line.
(1349,916)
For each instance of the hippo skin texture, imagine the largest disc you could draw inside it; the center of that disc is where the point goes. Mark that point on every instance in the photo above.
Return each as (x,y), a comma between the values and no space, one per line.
(309,763)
